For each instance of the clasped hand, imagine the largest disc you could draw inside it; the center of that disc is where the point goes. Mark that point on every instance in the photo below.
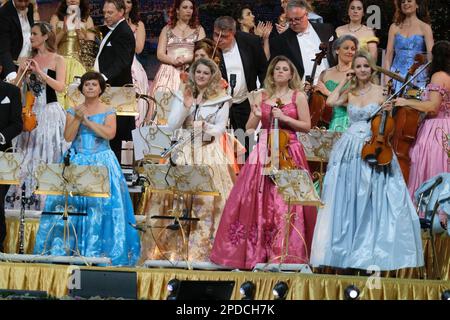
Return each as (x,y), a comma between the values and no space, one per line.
(80,113)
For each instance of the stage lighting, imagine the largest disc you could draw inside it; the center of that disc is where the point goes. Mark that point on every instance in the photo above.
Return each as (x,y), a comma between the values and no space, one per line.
(280,290)
(445,295)
(247,290)
(351,292)
(172,287)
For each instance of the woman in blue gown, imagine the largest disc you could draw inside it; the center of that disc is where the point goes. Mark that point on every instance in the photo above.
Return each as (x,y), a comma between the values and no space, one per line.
(106,230)
(409,35)
(368,221)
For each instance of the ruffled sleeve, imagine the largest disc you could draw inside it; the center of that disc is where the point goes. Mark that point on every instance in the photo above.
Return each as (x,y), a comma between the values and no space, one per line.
(435,87)
(178,113)
(71,111)
(364,41)
(110,111)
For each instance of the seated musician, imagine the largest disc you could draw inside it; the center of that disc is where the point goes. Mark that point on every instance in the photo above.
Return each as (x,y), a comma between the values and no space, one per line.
(252,227)
(368,218)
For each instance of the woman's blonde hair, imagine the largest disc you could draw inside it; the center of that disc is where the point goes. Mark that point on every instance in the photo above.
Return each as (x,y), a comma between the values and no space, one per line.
(269,83)
(366,55)
(214,87)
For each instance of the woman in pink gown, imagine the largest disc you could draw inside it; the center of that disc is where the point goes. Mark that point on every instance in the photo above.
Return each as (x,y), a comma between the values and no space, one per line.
(252,227)
(140,79)
(428,155)
(176,49)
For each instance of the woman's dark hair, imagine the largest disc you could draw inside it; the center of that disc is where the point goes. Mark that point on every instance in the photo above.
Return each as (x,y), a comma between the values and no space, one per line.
(347,7)
(441,57)
(61,11)
(237,13)
(92,75)
(134,14)
(46,29)
(422,12)
(193,23)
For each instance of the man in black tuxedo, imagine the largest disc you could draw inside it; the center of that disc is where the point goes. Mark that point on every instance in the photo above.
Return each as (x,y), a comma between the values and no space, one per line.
(243,62)
(16,20)
(114,61)
(10,126)
(301,41)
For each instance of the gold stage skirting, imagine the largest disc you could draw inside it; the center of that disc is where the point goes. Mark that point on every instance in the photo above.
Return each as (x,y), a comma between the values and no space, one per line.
(442,243)
(152,283)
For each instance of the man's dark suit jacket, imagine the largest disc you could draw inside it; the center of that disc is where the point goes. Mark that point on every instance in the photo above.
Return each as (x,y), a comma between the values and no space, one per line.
(286,44)
(117,55)
(11,39)
(253,59)
(10,113)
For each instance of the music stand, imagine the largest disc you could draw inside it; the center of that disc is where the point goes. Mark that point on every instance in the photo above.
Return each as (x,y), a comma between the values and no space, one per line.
(296,188)
(10,175)
(150,141)
(71,180)
(163,97)
(318,144)
(180,181)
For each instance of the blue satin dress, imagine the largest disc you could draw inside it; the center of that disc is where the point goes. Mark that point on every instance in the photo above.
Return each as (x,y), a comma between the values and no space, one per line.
(106,230)
(368,221)
(405,49)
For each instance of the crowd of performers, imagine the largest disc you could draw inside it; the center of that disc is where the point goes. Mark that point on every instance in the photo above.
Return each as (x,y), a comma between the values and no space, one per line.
(369,215)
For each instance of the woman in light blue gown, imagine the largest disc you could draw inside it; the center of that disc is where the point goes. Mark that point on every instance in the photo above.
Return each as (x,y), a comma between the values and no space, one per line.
(368,221)
(409,35)
(106,230)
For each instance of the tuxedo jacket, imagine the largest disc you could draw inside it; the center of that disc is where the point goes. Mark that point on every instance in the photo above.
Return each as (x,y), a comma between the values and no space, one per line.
(11,39)
(10,113)
(253,59)
(117,55)
(286,44)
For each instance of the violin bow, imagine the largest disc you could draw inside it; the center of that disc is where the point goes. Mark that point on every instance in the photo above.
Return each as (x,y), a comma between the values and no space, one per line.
(395,94)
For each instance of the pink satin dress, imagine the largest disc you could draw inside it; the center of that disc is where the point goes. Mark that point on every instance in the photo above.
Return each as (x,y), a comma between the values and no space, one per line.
(253,225)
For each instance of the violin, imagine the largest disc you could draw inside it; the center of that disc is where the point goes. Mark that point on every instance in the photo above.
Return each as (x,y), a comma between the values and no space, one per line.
(278,154)
(378,151)
(29,118)
(319,111)
(407,122)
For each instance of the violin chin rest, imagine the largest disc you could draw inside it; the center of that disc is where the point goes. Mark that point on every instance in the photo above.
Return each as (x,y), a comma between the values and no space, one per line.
(371,159)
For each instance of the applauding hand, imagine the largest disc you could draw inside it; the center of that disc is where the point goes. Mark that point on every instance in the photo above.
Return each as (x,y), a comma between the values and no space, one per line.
(256,110)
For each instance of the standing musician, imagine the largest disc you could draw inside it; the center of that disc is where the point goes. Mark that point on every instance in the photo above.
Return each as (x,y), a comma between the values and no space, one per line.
(344,48)
(10,127)
(252,226)
(428,155)
(368,218)
(114,61)
(16,20)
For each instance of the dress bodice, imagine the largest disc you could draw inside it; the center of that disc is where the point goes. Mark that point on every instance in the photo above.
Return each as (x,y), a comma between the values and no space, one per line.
(39,87)
(69,46)
(289,109)
(358,114)
(87,141)
(178,46)
(444,108)
(407,47)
